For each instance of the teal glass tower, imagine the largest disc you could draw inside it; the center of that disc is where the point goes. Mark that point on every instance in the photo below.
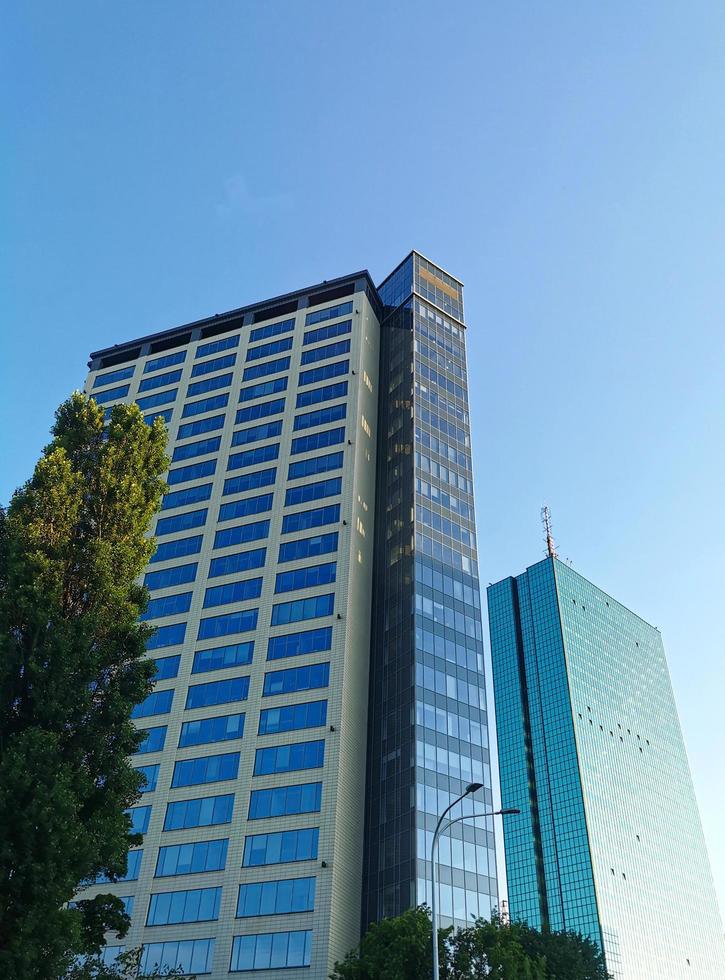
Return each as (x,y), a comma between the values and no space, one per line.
(609,841)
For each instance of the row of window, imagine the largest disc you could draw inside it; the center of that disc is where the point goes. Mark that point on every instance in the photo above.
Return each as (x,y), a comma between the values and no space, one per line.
(266,951)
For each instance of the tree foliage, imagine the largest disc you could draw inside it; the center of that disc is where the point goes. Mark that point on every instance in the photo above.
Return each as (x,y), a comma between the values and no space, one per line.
(72,666)
(126,966)
(400,949)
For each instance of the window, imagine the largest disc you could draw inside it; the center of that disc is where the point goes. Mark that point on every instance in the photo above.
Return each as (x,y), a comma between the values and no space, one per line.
(318,464)
(156,703)
(322,373)
(208,730)
(128,904)
(217,692)
(209,424)
(322,353)
(289,758)
(185,859)
(207,811)
(112,394)
(160,381)
(270,951)
(292,717)
(241,534)
(182,474)
(325,394)
(242,591)
(271,330)
(320,416)
(297,644)
(165,415)
(140,817)
(177,549)
(167,667)
(245,507)
(237,622)
(133,867)
(167,636)
(154,741)
(160,398)
(276,897)
(260,411)
(328,332)
(313,491)
(267,350)
(330,313)
(208,384)
(205,405)
(243,561)
(318,440)
(306,578)
(191,495)
(169,605)
(176,575)
(195,905)
(113,376)
(255,433)
(264,454)
(305,519)
(215,346)
(201,448)
(280,848)
(300,609)
(181,522)
(206,769)
(284,801)
(250,481)
(296,679)
(263,388)
(217,658)
(216,364)
(267,367)
(188,955)
(151,775)
(320,544)
(168,360)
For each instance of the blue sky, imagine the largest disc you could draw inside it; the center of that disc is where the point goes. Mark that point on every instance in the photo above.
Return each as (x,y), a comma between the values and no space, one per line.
(171,160)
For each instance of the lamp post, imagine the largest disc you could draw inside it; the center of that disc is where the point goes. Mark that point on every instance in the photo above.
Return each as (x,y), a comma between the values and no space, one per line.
(471,788)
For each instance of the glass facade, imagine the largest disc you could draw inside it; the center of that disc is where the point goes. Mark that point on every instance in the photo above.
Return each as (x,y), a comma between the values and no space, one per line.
(427,716)
(609,841)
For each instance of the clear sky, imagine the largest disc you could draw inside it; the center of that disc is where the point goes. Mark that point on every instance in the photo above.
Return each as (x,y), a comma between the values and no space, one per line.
(165,161)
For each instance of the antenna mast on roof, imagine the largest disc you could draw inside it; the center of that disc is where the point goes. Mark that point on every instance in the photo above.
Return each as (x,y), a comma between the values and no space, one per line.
(548,536)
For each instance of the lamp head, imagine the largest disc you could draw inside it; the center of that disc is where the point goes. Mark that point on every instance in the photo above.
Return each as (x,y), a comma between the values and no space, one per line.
(473,788)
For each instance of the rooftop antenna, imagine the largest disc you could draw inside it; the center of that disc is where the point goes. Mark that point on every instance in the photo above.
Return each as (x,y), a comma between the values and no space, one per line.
(548,536)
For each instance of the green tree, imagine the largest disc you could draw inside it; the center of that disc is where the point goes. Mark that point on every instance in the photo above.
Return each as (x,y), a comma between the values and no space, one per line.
(492,949)
(126,966)
(72,666)
(568,955)
(392,949)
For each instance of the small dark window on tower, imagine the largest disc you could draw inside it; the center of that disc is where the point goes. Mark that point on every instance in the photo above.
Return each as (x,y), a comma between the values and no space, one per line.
(638,838)
(624,876)
(647,741)
(579,713)
(640,748)
(612,870)
(588,708)
(601,728)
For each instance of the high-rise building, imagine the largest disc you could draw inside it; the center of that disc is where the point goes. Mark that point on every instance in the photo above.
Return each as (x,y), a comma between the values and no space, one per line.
(302,737)
(609,841)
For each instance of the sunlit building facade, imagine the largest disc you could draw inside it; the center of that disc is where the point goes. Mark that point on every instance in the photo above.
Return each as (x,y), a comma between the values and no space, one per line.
(289,505)
(609,841)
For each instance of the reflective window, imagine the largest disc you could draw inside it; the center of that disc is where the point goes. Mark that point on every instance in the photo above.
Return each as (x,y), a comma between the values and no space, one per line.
(193,956)
(291,679)
(176,575)
(284,801)
(241,534)
(113,376)
(222,728)
(306,492)
(201,448)
(160,398)
(167,636)
(195,905)
(154,741)
(215,346)
(326,333)
(140,817)
(289,758)
(311,518)
(271,330)
(317,464)
(315,375)
(222,595)
(237,622)
(245,507)
(191,495)
(209,424)
(320,416)
(205,405)
(270,951)
(111,394)
(296,644)
(276,897)
(267,367)
(305,578)
(317,440)
(292,717)
(168,360)
(320,544)
(300,609)
(263,454)
(242,561)
(255,433)
(322,353)
(177,549)
(151,775)
(325,394)
(169,605)
(181,522)
(205,811)
(160,381)
(185,859)
(260,411)
(156,703)
(216,364)
(267,350)
(217,658)
(208,384)
(167,667)
(217,692)
(182,474)
(207,769)
(280,848)
(250,481)
(263,388)
(329,313)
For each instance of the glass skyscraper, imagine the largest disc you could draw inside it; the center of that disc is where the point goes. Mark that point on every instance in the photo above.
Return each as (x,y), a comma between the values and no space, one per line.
(609,841)
(301,737)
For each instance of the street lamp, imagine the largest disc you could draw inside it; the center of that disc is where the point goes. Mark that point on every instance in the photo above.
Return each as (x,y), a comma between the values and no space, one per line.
(471,788)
